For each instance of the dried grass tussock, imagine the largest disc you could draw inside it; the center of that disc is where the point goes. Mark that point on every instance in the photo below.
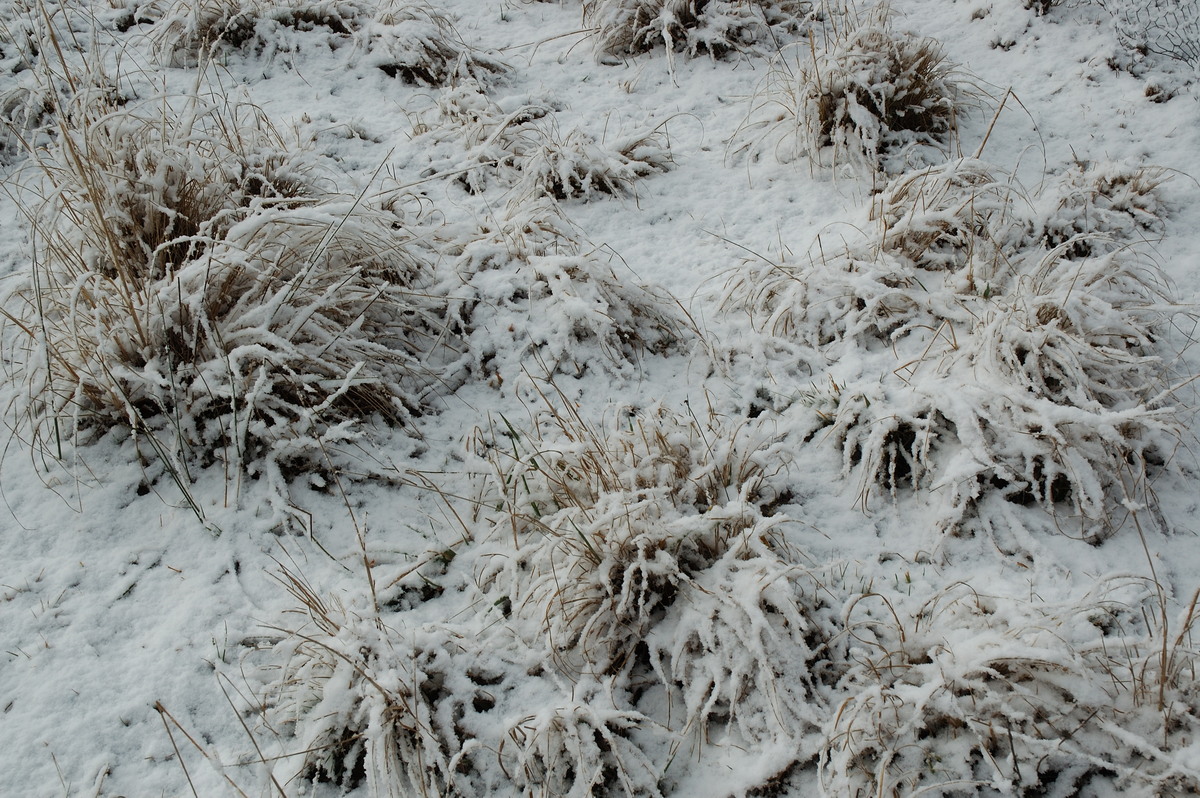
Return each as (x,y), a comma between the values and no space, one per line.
(197,282)
(1017,355)
(628,27)
(524,150)
(416,710)
(368,702)
(858,94)
(579,750)
(976,695)
(532,295)
(648,551)
(407,39)
(575,165)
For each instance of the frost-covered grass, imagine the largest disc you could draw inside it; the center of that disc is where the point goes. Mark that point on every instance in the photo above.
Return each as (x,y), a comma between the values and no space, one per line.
(407,39)
(857,93)
(197,281)
(1014,343)
(976,692)
(602,398)
(716,27)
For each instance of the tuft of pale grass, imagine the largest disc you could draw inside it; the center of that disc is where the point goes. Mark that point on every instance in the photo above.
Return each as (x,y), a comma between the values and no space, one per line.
(407,39)
(472,138)
(962,216)
(629,27)
(25,112)
(534,296)
(52,72)
(646,552)
(1094,207)
(975,693)
(575,165)
(579,749)
(858,94)
(195,282)
(483,145)
(369,702)
(989,359)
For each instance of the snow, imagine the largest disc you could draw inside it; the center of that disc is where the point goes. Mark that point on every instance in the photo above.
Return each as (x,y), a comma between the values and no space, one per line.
(702,467)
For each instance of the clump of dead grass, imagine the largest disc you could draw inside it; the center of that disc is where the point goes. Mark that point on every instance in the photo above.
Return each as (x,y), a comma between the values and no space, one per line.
(531,294)
(1095,207)
(648,550)
(470,137)
(975,693)
(525,150)
(370,702)
(629,27)
(575,165)
(51,70)
(407,39)
(858,94)
(579,749)
(988,360)
(195,281)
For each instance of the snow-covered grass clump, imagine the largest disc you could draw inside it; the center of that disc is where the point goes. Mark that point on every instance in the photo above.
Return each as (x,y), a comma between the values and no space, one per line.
(575,165)
(26,101)
(368,699)
(649,552)
(530,294)
(989,348)
(636,573)
(578,749)
(977,694)
(407,39)
(481,145)
(387,705)
(628,27)
(860,94)
(197,282)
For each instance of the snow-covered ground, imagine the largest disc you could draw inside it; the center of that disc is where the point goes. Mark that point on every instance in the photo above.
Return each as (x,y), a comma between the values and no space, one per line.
(658,430)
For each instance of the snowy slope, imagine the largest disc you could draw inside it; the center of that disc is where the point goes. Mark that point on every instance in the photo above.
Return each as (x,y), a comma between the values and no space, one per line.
(687,499)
